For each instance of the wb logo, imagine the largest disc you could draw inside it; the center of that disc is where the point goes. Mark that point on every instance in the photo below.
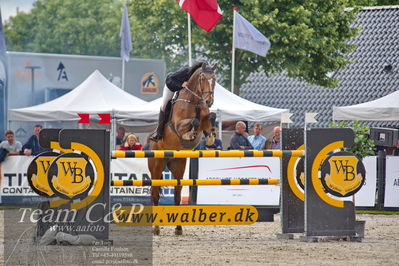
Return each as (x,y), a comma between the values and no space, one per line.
(342,174)
(37,173)
(71,176)
(347,170)
(73,169)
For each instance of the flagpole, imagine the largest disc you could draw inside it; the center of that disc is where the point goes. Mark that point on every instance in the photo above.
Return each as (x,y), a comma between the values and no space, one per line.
(233,52)
(126,41)
(189,39)
(123,74)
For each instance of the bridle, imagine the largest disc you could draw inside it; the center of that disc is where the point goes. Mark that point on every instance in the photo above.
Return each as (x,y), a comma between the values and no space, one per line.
(200,97)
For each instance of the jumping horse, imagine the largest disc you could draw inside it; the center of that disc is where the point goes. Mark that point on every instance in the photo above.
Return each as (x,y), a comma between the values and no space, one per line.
(190,117)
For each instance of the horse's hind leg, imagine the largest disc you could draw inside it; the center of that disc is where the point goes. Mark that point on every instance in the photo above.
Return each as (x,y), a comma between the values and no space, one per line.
(177,167)
(156,167)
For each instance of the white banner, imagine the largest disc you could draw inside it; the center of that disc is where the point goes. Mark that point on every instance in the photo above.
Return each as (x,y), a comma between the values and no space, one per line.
(232,168)
(365,197)
(137,169)
(14,183)
(392,182)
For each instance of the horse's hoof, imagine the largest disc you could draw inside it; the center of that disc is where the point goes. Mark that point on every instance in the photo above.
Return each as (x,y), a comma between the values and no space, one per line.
(188,136)
(156,231)
(178,232)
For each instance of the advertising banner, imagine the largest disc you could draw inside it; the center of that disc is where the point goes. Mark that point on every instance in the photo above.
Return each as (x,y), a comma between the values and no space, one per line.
(15,188)
(137,169)
(392,182)
(365,197)
(239,168)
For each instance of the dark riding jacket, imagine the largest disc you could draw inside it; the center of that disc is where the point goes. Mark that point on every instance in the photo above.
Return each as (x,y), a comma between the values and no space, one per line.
(175,80)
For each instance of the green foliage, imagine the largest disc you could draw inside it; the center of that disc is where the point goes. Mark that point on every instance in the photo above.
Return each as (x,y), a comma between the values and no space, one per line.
(67,27)
(309,38)
(363,146)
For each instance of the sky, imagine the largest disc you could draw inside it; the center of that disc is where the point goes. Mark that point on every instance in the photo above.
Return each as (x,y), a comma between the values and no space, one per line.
(9,7)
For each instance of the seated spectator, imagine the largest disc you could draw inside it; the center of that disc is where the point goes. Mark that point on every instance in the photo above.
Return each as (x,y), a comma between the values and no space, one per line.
(274,143)
(238,141)
(131,143)
(32,147)
(257,140)
(210,143)
(120,136)
(9,146)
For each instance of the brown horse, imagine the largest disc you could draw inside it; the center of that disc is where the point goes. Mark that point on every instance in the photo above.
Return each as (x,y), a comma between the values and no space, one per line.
(190,117)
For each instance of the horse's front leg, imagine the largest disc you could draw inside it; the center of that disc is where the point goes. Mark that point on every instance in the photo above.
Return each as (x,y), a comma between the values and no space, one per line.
(156,167)
(189,127)
(209,124)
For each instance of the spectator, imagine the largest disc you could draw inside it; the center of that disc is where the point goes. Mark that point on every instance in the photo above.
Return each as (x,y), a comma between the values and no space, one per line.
(257,140)
(9,146)
(211,142)
(396,153)
(120,135)
(274,143)
(131,144)
(32,147)
(238,141)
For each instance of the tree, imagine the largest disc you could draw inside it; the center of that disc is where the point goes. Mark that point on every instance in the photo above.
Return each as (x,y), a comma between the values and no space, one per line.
(309,38)
(363,146)
(67,27)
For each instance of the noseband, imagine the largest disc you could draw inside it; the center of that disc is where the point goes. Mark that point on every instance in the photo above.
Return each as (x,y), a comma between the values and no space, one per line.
(200,97)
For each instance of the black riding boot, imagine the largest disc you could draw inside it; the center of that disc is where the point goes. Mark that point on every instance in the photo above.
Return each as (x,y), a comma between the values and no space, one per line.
(160,128)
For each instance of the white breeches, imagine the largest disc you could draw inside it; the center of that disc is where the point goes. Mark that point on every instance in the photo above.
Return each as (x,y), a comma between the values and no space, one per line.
(166,97)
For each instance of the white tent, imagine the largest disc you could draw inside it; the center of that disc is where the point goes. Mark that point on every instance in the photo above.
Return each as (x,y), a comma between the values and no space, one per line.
(94,95)
(382,109)
(227,106)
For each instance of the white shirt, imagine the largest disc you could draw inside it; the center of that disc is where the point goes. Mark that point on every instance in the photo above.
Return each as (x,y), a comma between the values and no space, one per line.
(15,147)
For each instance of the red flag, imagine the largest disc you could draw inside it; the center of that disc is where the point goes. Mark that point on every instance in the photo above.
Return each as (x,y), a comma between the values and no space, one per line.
(84,118)
(105,119)
(206,13)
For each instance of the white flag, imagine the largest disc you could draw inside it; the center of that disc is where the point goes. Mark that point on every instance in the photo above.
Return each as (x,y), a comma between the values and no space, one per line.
(126,37)
(247,37)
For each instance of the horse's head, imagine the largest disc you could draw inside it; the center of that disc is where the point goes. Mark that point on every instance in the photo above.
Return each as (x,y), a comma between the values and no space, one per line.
(205,82)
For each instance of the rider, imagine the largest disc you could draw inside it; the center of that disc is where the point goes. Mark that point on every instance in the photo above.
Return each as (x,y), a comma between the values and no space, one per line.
(174,82)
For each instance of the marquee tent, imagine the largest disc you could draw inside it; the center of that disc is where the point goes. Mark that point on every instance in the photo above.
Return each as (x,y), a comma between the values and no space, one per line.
(94,95)
(227,106)
(382,109)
